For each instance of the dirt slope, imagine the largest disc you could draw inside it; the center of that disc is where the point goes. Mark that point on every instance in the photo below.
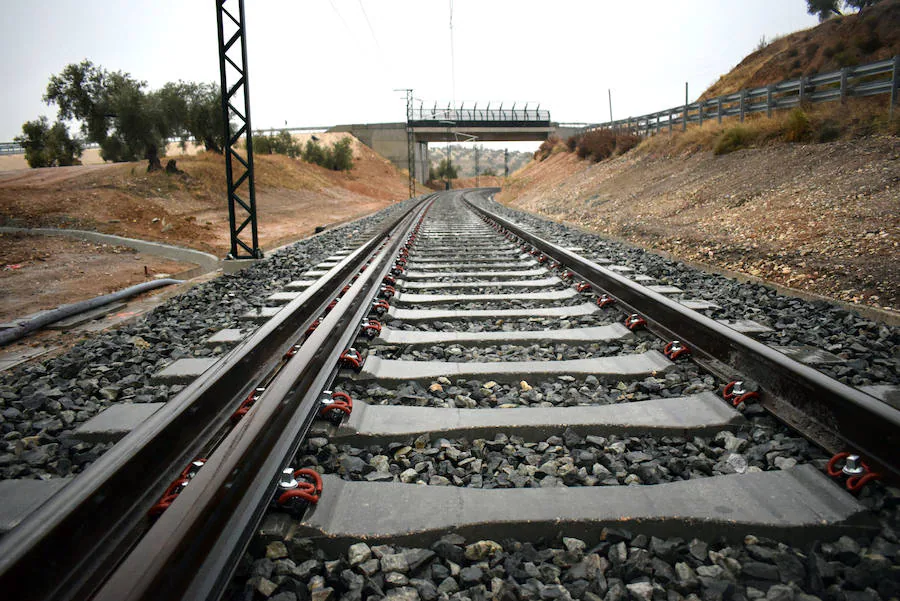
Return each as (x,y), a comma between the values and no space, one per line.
(839,42)
(190,209)
(819,217)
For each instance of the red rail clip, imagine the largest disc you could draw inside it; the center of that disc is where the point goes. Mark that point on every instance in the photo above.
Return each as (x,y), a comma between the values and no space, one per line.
(336,406)
(308,490)
(583,287)
(176,487)
(245,405)
(605,300)
(371,327)
(857,471)
(737,394)
(676,349)
(352,358)
(380,306)
(634,322)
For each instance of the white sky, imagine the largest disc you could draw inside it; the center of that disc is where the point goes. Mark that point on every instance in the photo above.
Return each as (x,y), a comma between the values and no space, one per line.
(316,62)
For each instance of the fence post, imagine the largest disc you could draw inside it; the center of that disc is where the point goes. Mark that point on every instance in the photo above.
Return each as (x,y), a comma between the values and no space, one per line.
(719,109)
(894,83)
(743,97)
(684,115)
(670,121)
(802,90)
(844,85)
(700,112)
(769,101)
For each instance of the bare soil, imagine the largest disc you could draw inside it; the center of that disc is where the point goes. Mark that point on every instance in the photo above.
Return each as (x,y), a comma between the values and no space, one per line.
(190,209)
(823,218)
(43,272)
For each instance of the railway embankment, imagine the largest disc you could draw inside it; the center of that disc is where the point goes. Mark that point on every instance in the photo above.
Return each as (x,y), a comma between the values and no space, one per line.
(821,218)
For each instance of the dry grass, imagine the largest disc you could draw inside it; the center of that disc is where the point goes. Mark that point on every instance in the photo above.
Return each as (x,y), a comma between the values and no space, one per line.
(815,123)
(840,42)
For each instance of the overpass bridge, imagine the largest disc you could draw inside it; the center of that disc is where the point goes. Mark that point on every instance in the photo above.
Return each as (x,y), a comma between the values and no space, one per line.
(396,141)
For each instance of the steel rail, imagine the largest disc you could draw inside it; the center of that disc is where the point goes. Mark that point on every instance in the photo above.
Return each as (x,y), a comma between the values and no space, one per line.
(191,552)
(66,547)
(835,415)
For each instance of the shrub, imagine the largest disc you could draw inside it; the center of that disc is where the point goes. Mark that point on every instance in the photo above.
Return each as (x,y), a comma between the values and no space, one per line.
(314,153)
(797,127)
(597,144)
(811,50)
(625,142)
(572,143)
(846,58)
(733,138)
(280,143)
(829,131)
(48,146)
(340,157)
(603,143)
(793,52)
(867,44)
(546,148)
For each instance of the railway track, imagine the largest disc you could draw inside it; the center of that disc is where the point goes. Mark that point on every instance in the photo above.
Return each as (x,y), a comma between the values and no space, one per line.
(461,408)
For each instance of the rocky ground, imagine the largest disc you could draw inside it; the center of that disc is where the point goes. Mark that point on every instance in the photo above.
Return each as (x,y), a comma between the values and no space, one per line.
(41,403)
(822,218)
(869,350)
(566,459)
(623,566)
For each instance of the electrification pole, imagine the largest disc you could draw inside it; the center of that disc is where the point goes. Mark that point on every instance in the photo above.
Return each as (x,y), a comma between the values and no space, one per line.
(410,142)
(506,162)
(236,110)
(477,171)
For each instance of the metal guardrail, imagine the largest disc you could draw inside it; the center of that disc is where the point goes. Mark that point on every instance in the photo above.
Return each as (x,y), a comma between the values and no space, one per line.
(474,113)
(882,77)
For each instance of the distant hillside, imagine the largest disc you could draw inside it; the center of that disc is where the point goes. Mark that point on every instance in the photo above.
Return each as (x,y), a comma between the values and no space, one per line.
(488,161)
(853,39)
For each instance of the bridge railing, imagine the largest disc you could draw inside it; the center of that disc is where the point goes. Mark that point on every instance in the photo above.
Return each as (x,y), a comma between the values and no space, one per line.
(882,77)
(478,114)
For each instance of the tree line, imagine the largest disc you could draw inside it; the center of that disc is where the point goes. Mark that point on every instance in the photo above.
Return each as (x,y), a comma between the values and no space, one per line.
(826,9)
(130,122)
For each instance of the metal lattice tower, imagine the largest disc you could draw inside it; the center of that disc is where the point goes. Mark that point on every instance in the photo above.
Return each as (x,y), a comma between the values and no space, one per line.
(236,110)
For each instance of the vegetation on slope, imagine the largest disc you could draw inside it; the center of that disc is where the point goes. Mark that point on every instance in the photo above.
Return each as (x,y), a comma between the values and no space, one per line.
(842,41)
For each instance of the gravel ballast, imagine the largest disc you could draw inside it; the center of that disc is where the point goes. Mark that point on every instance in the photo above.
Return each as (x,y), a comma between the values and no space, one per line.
(41,403)
(566,459)
(871,350)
